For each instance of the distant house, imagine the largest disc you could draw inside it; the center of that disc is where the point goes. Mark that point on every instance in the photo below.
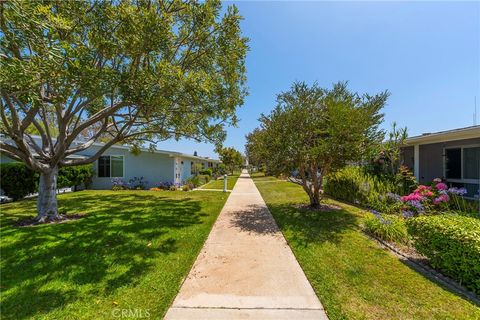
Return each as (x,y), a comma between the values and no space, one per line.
(453,155)
(155,166)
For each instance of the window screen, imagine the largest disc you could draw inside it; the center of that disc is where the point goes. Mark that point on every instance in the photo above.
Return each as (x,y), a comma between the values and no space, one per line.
(453,163)
(117,166)
(110,166)
(471,163)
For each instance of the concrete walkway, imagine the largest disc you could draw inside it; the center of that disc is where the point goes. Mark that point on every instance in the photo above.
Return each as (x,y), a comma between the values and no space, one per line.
(246,270)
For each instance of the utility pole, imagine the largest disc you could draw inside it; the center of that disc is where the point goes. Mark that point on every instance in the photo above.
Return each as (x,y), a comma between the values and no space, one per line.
(475,112)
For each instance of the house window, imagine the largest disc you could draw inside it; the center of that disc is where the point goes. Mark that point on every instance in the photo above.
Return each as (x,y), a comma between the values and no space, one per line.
(471,163)
(110,166)
(462,168)
(453,163)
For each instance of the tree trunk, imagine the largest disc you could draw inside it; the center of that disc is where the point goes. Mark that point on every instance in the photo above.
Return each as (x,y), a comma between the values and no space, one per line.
(315,200)
(47,207)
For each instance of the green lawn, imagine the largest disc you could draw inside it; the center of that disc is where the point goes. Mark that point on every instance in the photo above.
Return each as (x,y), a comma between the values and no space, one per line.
(132,251)
(218,184)
(351,275)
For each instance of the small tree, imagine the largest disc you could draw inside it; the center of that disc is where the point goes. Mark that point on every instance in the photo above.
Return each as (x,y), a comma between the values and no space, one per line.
(315,131)
(254,150)
(113,71)
(386,159)
(231,158)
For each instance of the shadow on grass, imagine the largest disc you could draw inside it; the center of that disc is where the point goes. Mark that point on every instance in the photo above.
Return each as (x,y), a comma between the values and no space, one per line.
(309,226)
(44,266)
(314,227)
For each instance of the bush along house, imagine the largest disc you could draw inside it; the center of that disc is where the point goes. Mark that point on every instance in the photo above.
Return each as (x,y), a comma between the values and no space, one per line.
(453,156)
(155,166)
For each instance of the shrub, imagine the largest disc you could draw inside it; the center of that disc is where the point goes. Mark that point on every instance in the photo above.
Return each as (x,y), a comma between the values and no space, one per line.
(75,176)
(389,228)
(203,178)
(17,180)
(173,188)
(405,181)
(165,185)
(220,169)
(194,181)
(207,172)
(452,243)
(186,188)
(354,185)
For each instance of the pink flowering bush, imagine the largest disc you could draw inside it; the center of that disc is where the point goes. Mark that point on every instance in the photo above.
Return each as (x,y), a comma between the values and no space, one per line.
(437,197)
(441,186)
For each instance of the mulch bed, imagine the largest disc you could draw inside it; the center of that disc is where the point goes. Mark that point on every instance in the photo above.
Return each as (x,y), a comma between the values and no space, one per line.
(30,222)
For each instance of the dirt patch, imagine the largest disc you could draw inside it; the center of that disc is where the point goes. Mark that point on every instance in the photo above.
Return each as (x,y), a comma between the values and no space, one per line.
(30,222)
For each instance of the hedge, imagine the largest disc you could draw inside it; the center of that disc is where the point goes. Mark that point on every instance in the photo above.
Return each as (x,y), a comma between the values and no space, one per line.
(75,176)
(207,172)
(17,180)
(352,184)
(452,243)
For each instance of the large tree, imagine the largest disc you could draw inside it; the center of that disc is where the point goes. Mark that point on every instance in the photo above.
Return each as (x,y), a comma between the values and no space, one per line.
(314,131)
(231,158)
(115,71)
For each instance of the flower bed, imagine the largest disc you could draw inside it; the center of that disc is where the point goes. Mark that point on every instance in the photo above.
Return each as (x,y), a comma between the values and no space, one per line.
(435,198)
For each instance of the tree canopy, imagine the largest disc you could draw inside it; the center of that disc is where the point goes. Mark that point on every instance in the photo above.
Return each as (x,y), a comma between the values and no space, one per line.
(231,158)
(115,71)
(313,131)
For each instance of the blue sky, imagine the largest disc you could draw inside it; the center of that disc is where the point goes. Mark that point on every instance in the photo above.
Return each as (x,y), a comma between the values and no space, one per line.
(427,54)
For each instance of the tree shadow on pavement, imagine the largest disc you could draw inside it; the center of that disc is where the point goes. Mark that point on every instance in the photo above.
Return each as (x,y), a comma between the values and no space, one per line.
(256,219)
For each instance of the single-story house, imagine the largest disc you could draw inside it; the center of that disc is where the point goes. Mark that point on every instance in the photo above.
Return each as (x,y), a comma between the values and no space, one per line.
(452,155)
(158,166)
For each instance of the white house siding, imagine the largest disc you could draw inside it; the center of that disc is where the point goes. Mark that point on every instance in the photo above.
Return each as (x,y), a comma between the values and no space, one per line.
(153,167)
(186,169)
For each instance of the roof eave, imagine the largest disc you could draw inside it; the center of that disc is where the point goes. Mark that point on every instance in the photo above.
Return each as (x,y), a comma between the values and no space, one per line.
(461,134)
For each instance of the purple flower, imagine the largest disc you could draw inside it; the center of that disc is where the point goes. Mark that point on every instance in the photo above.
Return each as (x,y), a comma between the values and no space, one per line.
(407,213)
(378,215)
(417,205)
(393,196)
(458,191)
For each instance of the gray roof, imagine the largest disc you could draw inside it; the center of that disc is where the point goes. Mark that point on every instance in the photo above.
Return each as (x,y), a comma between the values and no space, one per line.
(447,135)
(120,146)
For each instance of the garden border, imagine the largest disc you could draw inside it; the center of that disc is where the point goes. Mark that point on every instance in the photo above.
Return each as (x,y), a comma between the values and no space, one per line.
(427,271)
